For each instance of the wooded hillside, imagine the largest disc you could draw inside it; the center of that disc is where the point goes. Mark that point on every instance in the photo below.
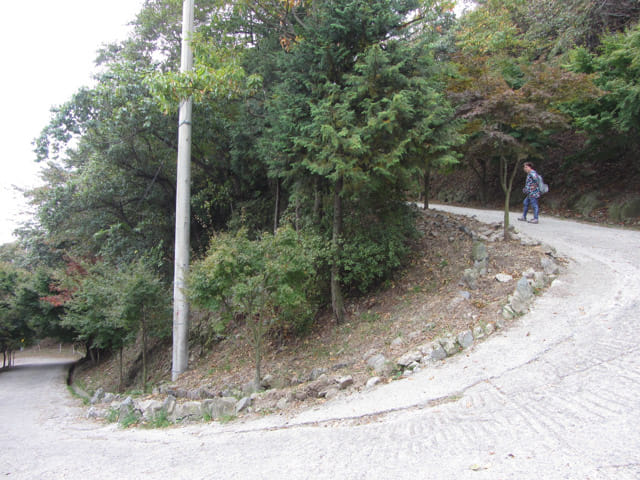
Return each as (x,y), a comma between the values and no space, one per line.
(315,122)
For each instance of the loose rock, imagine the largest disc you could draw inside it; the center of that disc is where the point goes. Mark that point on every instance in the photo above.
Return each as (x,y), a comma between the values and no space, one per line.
(243,404)
(408,358)
(188,411)
(470,278)
(317,373)
(150,408)
(97,396)
(219,407)
(345,382)
(380,364)
(373,381)
(549,266)
(503,277)
(449,345)
(313,389)
(478,332)
(465,339)
(436,352)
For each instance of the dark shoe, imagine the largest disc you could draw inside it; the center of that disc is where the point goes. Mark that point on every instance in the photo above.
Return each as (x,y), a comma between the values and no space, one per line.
(535,220)
(522,219)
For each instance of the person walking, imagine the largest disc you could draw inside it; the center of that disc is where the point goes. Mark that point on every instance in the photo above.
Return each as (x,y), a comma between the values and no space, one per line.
(532,191)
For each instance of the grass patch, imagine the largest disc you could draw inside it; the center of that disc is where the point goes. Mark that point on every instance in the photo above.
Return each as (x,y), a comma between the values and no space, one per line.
(112,415)
(159,420)
(129,420)
(78,395)
(227,418)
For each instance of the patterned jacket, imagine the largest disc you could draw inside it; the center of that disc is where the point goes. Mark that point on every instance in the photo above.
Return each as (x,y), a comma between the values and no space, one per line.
(531,186)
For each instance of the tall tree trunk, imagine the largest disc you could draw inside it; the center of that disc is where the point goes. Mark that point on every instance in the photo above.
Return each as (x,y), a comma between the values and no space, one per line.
(259,330)
(504,173)
(258,360)
(506,182)
(276,213)
(481,172)
(427,184)
(145,347)
(507,201)
(317,202)
(120,382)
(337,300)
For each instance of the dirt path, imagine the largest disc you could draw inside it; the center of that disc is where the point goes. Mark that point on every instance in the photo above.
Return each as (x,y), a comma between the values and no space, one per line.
(555,396)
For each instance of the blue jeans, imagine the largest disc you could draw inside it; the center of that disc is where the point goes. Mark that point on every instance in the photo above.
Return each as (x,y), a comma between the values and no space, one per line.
(533,203)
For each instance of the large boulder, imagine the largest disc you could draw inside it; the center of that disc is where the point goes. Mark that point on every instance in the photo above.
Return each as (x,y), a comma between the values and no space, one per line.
(126,407)
(150,408)
(169,404)
(465,339)
(621,211)
(220,407)
(97,396)
(127,411)
(480,256)
(449,344)
(243,404)
(433,351)
(313,389)
(408,358)
(380,365)
(188,411)
(549,266)
(522,296)
(470,278)
(345,382)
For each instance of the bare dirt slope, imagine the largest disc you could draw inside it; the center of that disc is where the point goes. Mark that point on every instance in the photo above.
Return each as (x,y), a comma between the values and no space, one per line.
(422,302)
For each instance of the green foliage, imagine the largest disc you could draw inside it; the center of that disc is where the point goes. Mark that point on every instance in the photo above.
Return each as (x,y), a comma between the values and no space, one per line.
(270,282)
(273,277)
(109,305)
(546,28)
(15,331)
(159,420)
(617,73)
(326,111)
(74,393)
(143,299)
(130,419)
(112,415)
(511,104)
(376,246)
(89,310)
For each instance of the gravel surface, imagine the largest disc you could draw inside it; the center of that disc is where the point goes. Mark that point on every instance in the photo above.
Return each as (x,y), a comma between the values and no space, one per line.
(555,396)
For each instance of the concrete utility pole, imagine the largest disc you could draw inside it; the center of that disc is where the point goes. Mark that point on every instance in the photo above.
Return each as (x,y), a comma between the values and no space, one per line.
(183,208)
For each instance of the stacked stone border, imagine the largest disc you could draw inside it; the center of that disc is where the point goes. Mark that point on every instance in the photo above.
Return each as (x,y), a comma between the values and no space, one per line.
(183,406)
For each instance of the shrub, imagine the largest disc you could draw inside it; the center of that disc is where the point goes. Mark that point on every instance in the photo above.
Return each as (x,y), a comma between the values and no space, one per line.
(376,246)
(269,281)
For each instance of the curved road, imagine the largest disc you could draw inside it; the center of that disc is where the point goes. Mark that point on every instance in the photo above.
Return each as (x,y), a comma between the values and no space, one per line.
(557,396)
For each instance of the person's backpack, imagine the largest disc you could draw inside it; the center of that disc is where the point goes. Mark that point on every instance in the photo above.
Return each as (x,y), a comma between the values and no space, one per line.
(543,187)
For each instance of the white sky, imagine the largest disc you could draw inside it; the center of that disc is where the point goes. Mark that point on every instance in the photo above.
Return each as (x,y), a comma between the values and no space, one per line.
(47,50)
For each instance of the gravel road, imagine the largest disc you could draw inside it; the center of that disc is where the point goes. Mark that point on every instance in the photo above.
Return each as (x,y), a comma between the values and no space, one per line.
(557,396)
